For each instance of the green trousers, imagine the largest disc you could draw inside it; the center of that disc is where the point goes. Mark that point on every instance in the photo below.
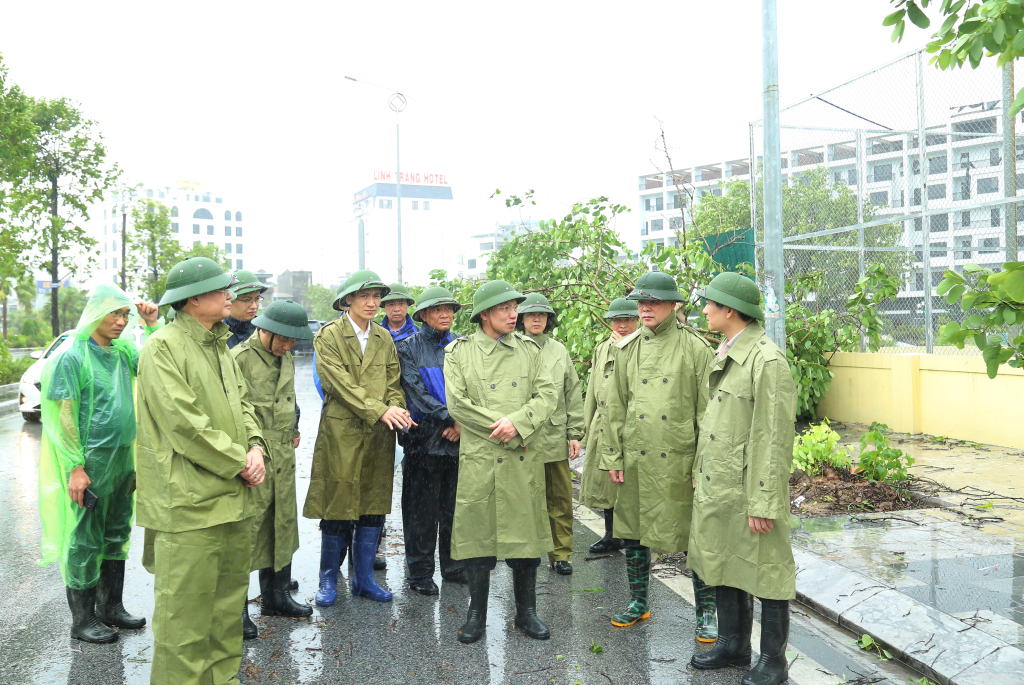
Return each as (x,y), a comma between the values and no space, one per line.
(201,579)
(558,483)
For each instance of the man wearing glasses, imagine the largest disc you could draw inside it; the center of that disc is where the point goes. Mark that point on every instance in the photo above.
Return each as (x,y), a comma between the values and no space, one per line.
(269,370)
(200,448)
(248,292)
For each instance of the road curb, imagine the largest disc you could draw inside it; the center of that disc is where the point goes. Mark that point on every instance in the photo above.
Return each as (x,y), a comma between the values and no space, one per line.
(9,399)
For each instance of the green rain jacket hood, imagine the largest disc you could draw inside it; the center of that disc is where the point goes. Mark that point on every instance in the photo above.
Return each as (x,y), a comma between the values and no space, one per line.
(566,423)
(501,505)
(658,394)
(743,462)
(596,488)
(195,427)
(271,382)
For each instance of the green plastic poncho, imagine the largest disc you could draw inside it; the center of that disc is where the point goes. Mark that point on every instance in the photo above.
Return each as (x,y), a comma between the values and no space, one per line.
(88,414)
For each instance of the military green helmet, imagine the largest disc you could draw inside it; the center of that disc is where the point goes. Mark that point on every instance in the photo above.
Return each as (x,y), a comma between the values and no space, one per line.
(433,296)
(398,292)
(359,281)
(246,283)
(537,303)
(194,276)
(621,308)
(169,316)
(736,292)
(285,318)
(656,285)
(491,294)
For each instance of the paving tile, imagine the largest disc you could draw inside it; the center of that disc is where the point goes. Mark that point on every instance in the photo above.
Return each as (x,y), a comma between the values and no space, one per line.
(993,624)
(1004,667)
(829,587)
(964,569)
(956,597)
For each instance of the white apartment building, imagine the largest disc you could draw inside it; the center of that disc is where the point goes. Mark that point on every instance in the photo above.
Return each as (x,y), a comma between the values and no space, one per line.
(426,213)
(198,217)
(475,255)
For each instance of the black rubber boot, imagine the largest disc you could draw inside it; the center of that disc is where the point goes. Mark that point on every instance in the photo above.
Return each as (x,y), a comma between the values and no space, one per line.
(249,629)
(293,585)
(773,667)
(109,597)
(524,586)
(276,599)
(735,623)
(479,582)
(608,543)
(84,624)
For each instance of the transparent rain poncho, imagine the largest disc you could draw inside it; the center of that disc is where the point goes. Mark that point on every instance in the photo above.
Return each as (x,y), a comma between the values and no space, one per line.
(88,413)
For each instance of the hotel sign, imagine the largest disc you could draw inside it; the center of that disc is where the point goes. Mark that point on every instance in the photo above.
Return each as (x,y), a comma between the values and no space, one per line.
(419,178)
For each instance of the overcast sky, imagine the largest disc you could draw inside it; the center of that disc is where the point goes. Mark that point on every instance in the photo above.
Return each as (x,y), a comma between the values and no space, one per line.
(561,97)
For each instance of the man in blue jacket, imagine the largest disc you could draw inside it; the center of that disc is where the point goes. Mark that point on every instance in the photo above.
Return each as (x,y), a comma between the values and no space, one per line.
(430,471)
(396,313)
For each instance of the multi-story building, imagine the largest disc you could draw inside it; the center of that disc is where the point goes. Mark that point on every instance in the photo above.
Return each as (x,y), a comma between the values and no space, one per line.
(293,285)
(198,217)
(426,214)
(472,260)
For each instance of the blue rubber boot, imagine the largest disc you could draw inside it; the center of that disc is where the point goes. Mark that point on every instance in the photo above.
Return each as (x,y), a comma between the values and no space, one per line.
(331,549)
(364,549)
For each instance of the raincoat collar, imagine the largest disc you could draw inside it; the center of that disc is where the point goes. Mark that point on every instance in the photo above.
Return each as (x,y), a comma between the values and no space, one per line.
(665,326)
(745,342)
(407,329)
(435,336)
(541,339)
(261,351)
(488,344)
(198,332)
(243,329)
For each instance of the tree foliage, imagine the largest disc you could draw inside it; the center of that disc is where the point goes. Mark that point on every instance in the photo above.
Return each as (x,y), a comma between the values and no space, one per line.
(151,249)
(971,30)
(320,300)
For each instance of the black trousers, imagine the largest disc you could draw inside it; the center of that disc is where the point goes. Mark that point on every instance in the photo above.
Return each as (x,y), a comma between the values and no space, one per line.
(429,483)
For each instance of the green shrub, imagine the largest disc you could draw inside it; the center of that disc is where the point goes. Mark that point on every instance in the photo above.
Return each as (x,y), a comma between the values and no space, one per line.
(11,368)
(879,461)
(816,447)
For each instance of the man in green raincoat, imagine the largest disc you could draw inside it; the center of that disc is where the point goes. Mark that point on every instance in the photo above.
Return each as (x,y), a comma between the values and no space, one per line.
(200,450)
(596,489)
(87,452)
(248,296)
(354,457)
(657,395)
(498,389)
(739,540)
(269,370)
(558,440)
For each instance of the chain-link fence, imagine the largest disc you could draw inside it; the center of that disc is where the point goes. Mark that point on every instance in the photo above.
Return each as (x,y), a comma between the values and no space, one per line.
(907,166)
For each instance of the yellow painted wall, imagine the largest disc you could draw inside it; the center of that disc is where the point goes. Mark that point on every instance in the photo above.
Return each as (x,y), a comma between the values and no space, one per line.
(932,394)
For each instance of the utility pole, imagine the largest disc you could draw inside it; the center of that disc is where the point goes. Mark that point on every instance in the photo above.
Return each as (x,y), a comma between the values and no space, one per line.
(397,103)
(774,277)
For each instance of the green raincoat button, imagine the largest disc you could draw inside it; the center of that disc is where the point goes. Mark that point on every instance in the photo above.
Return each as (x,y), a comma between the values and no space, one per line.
(762,484)
(719,398)
(762,342)
(664,380)
(642,453)
(521,457)
(530,414)
(664,418)
(279,471)
(712,436)
(647,337)
(513,384)
(492,386)
(499,460)
(662,455)
(707,477)
(645,381)
(641,416)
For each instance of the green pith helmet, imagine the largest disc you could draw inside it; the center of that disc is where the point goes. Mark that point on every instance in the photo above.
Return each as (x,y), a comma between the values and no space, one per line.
(621,308)
(358,281)
(537,303)
(656,285)
(736,292)
(246,283)
(285,318)
(491,294)
(194,276)
(397,293)
(431,297)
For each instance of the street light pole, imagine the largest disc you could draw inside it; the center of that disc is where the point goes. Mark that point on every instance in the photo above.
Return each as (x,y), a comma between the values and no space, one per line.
(774,271)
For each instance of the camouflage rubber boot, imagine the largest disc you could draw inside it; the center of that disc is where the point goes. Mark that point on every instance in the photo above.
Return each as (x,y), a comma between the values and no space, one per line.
(638,572)
(704,602)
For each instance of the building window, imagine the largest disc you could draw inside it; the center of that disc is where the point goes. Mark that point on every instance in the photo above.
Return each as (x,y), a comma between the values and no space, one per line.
(675,223)
(657,225)
(114,262)
(209,230)
(238,216)
(104,229)
(883,172)
(937,191)
(851,177)
(227,247)
(939,223)
(113,229)
(227,230)
(659,204)
(196,243)
(462,260)
(880,199)
(219,200)
(643,231)
(238,231)
(209,244)
(988,185)
(106,263)
(996,217)
(113,246)
(238,248)
(195,228)
(647,204)
(202,213)
(149,193)
(174,210)
(206,197)
(937,164)
(990,245)
(415,204)
(227,215)
(962,243)
(174,228)
(915,200)
(471,264)
(426,205)
(383,204)
(105,210)
(486,246)
(994,158)
(238,263)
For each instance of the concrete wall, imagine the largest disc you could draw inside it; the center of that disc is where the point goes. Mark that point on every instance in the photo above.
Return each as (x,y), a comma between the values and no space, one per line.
(932,394)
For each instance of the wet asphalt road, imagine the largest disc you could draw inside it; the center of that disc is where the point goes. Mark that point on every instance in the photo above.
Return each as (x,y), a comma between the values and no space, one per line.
(410,640)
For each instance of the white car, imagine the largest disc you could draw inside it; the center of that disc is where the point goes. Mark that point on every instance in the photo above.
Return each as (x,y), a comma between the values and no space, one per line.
(30,386)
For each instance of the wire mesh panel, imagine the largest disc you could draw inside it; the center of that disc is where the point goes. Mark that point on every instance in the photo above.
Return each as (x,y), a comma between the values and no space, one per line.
(906,166)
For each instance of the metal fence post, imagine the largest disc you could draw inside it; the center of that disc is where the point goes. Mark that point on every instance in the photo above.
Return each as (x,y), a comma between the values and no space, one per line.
(753,203)
(861,185)
(925,223)
(775,283)
(1009,163)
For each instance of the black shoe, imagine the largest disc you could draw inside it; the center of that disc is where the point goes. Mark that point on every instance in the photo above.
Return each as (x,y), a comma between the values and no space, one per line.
(249,629)
(427,587)
(524,586)
(458,576)
(294,585)
(735,623)
(380,563)
(608,543)
(773,667)
(564,568)
(476,620)
(84,624)
(109,597)
(276,599)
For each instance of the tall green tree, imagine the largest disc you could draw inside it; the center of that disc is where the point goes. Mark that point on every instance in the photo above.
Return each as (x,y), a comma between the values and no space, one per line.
(69,308)
(152,249)
(125,196)
(321,301)
(67,173)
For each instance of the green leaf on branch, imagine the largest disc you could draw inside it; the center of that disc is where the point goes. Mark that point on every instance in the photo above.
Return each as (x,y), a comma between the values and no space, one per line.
(954,293)
(893,18)
(915,15)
